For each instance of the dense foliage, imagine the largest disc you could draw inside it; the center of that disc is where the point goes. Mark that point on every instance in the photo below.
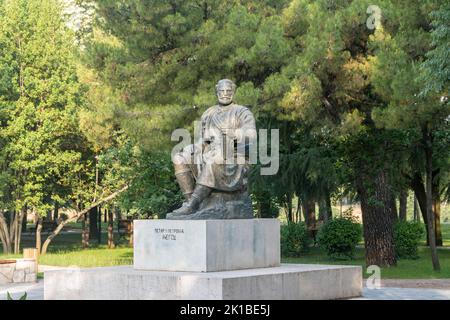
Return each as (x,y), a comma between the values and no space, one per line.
(339,237)
(294,239)
(407,236)
(362,109)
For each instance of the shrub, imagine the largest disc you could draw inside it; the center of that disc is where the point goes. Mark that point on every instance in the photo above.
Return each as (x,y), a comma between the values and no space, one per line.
(407,237)
(339,237)
(294,239)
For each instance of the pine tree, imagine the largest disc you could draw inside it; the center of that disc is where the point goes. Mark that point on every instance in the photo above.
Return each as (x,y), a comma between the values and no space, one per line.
(412,90)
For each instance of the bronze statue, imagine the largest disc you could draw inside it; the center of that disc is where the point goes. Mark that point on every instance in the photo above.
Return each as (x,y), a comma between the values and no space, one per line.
(212,173)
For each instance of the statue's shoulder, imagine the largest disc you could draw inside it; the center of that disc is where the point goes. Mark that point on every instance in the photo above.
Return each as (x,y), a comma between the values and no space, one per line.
(210,110)
(240,107)
(242,110)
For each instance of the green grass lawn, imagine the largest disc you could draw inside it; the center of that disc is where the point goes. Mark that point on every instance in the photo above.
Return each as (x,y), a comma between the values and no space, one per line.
(66,241)
(92,257)
(406,269)
(446,234)
(97,257)
(65,250)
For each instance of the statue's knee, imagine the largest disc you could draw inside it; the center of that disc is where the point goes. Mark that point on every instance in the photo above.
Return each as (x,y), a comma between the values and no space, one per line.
(180,164)
(178,159)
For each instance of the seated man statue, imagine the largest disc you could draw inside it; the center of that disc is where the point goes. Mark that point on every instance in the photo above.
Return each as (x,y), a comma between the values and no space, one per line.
(212,173)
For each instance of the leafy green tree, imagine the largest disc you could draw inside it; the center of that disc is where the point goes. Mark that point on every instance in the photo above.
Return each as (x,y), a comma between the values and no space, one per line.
(328,88)
(411,91)
(164,77)
(311,69)
(47,160)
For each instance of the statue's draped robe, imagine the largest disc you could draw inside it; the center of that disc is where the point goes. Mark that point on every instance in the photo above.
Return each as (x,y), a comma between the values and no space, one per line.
(218,167)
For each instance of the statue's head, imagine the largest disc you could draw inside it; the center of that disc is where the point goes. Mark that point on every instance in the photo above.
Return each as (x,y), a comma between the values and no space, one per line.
(225,90)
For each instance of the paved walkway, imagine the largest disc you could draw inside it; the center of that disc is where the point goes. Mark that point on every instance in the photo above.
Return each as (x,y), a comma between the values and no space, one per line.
(417,283)
(404,294)
(417,289)
(35,291)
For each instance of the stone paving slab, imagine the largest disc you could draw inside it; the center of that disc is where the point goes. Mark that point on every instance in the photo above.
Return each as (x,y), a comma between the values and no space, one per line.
(404,294)
(35,290)
(417,283)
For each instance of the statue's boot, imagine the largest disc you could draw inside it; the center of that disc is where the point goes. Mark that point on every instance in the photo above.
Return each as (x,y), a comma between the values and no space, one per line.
(186,182)
(200,193)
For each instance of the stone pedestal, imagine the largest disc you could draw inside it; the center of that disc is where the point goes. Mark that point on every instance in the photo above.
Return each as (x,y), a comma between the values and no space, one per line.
(287,282)
(202,260)
(206,245)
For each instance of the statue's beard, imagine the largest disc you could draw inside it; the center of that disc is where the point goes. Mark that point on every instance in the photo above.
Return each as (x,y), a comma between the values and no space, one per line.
(225,101)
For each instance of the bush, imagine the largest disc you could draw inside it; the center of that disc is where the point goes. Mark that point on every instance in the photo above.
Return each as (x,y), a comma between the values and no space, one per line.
(339,237)
(294,239)
(407,237)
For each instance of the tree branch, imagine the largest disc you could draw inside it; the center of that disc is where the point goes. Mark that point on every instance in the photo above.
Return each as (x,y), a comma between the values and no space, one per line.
(78,216)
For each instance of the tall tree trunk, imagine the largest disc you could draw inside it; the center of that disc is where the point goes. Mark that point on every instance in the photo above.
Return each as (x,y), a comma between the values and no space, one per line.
(85,232)
(377,218)
(12,229)
(263,205)
(3,240)
(417,185)
(56,212)
(110,228)
(289,207)
(131,233)
(323,214)
(437,207)
(428,148)
(15,231)
(297,211)
(93,225)
(416,209)
(49,215)
(403,204)
(25,219)
(309,212)
(4,234)
(99,237)
(19,224)
(329,214)
(394,207)
(38,234)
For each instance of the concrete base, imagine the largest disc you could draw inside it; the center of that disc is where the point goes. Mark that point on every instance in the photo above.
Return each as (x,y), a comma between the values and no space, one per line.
(206,245)
(289,281)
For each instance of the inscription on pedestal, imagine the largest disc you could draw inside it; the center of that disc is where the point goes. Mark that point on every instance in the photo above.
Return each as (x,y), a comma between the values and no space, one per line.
(169,234)
(206,245)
